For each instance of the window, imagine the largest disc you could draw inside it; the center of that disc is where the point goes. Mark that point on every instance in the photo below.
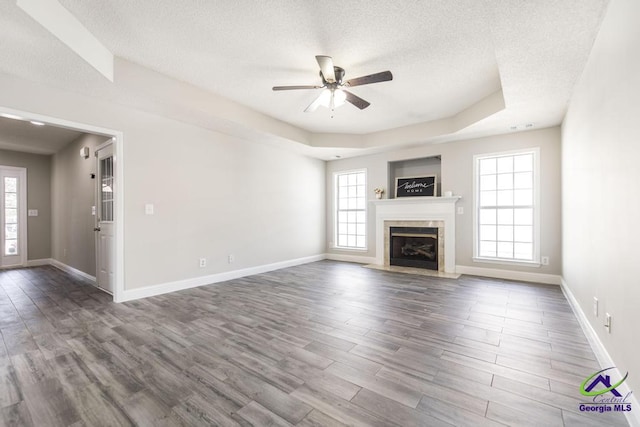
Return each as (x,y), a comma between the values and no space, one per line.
(351,214)
(13,216)
(106,193)
(506,207)
(10,216)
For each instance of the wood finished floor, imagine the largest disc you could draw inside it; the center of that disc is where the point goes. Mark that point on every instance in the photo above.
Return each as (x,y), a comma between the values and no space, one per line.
(323,344)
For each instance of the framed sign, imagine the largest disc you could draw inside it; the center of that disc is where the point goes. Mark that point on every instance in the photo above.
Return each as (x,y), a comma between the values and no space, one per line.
(413,186)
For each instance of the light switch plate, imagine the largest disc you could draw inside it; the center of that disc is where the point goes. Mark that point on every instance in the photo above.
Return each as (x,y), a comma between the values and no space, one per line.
(33,212)
(148,209)
(460,210)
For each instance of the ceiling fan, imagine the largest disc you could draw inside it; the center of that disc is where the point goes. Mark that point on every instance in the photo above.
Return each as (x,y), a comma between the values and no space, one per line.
(334,93)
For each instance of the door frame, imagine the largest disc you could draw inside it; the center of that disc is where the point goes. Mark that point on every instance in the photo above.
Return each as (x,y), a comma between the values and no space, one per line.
(118,156)
(22,219)
(98,208)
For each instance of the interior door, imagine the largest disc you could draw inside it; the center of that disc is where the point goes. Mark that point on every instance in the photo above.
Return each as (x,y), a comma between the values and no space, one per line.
(13,216)
(105,226)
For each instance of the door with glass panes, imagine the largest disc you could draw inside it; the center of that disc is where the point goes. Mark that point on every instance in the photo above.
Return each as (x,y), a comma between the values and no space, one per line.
(13,222)
(105,225)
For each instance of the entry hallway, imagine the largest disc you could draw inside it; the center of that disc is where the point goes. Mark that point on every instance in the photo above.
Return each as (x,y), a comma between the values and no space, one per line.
(321,344)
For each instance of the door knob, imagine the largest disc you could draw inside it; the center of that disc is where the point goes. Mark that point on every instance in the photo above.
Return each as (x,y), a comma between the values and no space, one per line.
(96,229)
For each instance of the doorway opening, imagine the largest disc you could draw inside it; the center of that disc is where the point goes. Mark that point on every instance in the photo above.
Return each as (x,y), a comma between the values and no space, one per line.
(107,228)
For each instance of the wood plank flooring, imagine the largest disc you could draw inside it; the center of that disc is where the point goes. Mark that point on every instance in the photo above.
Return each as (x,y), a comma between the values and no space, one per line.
(323,344)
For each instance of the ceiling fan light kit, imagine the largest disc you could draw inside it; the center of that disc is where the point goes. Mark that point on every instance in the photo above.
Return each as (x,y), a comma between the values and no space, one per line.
(334,93)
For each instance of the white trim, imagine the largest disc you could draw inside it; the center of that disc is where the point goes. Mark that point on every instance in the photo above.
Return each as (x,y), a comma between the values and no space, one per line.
(118,153)
(118,156)
(418,209)
(179,285)
(536,199)
(510,262)
(39,262)
(68,269)
(102,146)
(604,359)
(524,276)
(336,206)
(351,258)
(23,223)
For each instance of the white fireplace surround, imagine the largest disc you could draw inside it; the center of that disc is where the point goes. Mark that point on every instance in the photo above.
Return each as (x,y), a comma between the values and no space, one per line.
(419,209)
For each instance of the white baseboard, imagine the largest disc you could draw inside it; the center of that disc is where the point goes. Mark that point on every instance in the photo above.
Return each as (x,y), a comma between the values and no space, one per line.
(38,262)
(351,258)
(604,359)
(179,285)
(67,268)
(524,276)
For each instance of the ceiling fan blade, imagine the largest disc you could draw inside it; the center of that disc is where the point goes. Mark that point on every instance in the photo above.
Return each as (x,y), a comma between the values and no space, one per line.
(315,104)
(356,100)
(326,66)
(371,78)
(295,87)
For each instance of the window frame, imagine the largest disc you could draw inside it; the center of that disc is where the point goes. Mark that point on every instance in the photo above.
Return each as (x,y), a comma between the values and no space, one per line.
(535,262)
(336,211)
(23,246)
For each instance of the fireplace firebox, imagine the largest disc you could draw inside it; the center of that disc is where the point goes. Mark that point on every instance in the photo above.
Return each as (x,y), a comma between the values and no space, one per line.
(414,247)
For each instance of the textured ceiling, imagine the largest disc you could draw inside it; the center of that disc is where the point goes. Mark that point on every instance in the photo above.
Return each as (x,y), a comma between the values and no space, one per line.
(445,55)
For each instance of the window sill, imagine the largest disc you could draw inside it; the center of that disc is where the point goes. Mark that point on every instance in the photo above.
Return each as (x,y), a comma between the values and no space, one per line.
(341,248)
(533,264)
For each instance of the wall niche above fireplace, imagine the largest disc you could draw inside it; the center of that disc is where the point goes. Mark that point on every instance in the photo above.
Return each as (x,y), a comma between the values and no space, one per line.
(424,166)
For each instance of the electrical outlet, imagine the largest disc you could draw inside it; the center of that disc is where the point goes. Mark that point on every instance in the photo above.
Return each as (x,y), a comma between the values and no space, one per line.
(595,306)
(460,210)
(607,324)
(231,258)
(544,260)
(203,262)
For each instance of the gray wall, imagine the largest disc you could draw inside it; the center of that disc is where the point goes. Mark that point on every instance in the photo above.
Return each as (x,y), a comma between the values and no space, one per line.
(72,196)
(414,167)
(38,197)
(457,176)
(600,180)
(215,195)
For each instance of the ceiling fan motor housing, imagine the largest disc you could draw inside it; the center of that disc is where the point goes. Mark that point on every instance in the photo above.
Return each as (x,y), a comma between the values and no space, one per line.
(339,73)
(336,87)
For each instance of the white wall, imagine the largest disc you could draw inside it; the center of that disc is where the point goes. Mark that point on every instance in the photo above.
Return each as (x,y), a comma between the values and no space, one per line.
(457,176)
(600,183)
(214,194)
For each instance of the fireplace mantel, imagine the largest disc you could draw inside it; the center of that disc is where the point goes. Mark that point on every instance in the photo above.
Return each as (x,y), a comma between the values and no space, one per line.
(417,200)
(418,209)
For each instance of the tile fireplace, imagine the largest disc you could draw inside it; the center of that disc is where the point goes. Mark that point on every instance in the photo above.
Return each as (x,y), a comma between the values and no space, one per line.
(435,214)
